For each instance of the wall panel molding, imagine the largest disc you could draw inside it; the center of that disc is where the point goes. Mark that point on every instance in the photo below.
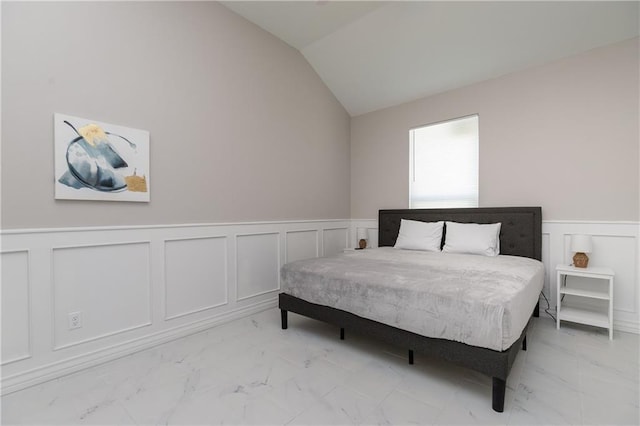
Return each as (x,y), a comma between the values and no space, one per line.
(258,264)
(109,283)
(160,258)
(246,291)
(202,273)
(301,244)
(334,239)
(16,306)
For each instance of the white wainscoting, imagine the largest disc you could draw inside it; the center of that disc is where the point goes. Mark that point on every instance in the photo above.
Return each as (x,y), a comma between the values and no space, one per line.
(16,306)
(136,287)
(195,275)
(108,284)
(258,264)
(335,240)
(303,244)
(615,244)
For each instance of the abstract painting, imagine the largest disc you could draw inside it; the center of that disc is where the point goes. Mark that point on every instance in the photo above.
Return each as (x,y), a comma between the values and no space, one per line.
(100,161)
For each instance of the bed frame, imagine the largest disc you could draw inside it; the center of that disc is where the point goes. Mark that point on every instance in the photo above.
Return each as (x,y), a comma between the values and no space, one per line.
(520,235)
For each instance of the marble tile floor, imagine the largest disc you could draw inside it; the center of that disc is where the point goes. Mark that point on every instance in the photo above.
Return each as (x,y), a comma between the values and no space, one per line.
(249,371)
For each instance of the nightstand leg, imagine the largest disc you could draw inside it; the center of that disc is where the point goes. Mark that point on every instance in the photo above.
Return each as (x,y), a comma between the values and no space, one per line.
(611,309)
(558,300)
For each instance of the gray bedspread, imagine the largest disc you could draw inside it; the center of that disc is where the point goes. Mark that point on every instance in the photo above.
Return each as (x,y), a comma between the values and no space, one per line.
(477,300)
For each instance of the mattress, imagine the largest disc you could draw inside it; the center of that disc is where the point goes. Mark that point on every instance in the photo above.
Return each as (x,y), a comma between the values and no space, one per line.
(478,300)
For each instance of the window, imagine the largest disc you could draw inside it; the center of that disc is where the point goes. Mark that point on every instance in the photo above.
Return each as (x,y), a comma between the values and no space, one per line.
(444,164)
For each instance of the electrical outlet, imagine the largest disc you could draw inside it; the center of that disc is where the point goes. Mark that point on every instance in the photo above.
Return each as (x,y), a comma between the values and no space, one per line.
(75,320)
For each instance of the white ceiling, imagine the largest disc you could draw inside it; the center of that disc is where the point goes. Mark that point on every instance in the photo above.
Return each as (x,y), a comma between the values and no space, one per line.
(373,55)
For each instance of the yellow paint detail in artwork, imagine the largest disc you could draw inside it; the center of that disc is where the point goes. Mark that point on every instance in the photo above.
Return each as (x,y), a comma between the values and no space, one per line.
(91,132)
(136,183)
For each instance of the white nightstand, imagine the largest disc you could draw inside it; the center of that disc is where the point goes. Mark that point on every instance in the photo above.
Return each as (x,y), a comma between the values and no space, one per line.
(601,290)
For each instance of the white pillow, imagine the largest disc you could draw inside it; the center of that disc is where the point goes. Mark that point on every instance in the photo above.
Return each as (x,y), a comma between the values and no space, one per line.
(415,235)
(472,238)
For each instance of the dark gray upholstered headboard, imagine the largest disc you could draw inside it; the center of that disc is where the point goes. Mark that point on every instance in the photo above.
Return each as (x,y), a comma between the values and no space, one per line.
(520,233)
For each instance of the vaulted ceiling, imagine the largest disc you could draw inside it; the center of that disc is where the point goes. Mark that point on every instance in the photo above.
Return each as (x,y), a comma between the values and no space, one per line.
(373,55)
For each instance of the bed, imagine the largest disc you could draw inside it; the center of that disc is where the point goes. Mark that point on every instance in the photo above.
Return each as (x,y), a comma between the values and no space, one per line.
(422,325)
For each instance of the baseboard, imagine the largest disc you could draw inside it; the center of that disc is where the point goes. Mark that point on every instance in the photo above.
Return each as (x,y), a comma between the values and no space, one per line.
(68,366)
(626,326)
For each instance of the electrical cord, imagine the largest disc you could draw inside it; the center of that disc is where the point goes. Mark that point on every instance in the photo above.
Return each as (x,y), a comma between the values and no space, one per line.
(546,311)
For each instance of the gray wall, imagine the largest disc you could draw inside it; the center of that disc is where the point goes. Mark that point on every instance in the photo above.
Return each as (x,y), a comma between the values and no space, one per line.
(241,127)
(563,136)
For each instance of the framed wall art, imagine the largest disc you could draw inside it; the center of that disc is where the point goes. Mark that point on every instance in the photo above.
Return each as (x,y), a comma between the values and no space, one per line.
(100,161)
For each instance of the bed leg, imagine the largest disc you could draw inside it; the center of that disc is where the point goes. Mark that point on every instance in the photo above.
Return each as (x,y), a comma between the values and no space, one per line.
(410,357)
(283,318)
(536,311)
(524,343)
(341,333)
(499,389)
